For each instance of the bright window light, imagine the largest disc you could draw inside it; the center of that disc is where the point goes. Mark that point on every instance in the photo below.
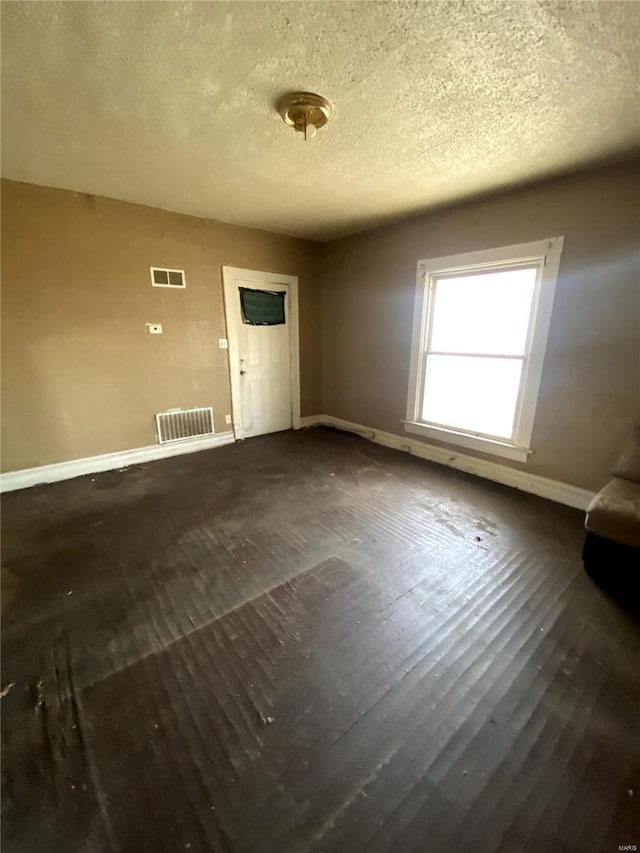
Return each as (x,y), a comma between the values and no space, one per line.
(473,394)
(480,330)
(476,351)
(485,313)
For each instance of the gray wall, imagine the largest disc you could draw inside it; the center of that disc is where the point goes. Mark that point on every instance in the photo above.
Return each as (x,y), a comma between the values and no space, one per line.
(590,393)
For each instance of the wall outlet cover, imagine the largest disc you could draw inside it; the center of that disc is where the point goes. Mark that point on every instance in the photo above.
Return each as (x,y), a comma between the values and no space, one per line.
(223,343)
(154,328)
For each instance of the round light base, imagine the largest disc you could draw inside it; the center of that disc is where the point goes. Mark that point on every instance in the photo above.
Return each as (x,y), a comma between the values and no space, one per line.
(304,108)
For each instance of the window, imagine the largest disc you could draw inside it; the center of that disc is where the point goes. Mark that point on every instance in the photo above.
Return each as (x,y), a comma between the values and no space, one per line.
(262,307)
(480,331)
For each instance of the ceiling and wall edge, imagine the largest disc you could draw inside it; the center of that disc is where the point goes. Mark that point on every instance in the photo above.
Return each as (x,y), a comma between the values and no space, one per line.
(537,183)
(423,212)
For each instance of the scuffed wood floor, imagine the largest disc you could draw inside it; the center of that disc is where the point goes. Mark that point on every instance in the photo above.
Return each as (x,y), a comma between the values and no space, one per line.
(310,643)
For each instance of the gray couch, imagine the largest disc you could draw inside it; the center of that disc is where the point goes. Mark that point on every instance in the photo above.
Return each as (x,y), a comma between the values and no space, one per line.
(611,551)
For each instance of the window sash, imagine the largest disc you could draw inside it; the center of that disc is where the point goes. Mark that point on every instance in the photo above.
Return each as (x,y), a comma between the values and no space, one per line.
(466,430)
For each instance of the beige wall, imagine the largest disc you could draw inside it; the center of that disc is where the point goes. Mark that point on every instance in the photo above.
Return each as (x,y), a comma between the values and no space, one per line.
(591,382)
(80,375)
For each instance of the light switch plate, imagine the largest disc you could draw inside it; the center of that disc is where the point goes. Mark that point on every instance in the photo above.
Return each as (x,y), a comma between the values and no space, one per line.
(223,343)
(154,328)
(227,419)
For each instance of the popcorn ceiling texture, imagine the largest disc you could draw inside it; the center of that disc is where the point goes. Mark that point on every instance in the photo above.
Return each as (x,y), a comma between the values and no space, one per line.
(171,104)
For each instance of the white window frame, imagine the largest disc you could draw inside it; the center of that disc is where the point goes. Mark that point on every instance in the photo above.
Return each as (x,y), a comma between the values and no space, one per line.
(545,255)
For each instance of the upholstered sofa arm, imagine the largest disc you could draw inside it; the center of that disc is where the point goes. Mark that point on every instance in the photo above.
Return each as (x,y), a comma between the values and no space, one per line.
(614,513)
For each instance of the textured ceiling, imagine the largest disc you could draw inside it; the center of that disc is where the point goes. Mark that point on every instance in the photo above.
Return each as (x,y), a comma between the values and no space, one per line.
(171,104)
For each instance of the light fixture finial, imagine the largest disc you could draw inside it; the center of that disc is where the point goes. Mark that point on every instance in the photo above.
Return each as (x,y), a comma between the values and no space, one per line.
(304,111)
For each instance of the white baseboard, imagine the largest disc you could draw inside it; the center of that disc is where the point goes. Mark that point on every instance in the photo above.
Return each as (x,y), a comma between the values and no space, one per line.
(13,480)
(310,421)
(551,489)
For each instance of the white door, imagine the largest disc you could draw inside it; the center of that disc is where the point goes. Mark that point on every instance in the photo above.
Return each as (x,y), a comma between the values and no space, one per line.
(264,368)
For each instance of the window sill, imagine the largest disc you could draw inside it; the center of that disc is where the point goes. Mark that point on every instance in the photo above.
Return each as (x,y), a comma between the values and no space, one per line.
(475,442)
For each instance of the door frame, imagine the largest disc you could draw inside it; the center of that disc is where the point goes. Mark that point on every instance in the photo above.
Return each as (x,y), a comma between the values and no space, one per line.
(231,276)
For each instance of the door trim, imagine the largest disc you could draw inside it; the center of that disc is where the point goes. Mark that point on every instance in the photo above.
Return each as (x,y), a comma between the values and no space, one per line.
(231,276)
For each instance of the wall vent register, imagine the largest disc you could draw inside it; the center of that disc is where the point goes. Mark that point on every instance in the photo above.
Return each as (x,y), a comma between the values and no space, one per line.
(178,424)
(161,277)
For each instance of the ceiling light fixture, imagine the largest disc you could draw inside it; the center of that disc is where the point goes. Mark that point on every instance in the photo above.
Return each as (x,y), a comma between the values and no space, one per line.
(305,112)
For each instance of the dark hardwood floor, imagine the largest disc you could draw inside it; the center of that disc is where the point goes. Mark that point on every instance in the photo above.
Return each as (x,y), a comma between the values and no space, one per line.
(307,642)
